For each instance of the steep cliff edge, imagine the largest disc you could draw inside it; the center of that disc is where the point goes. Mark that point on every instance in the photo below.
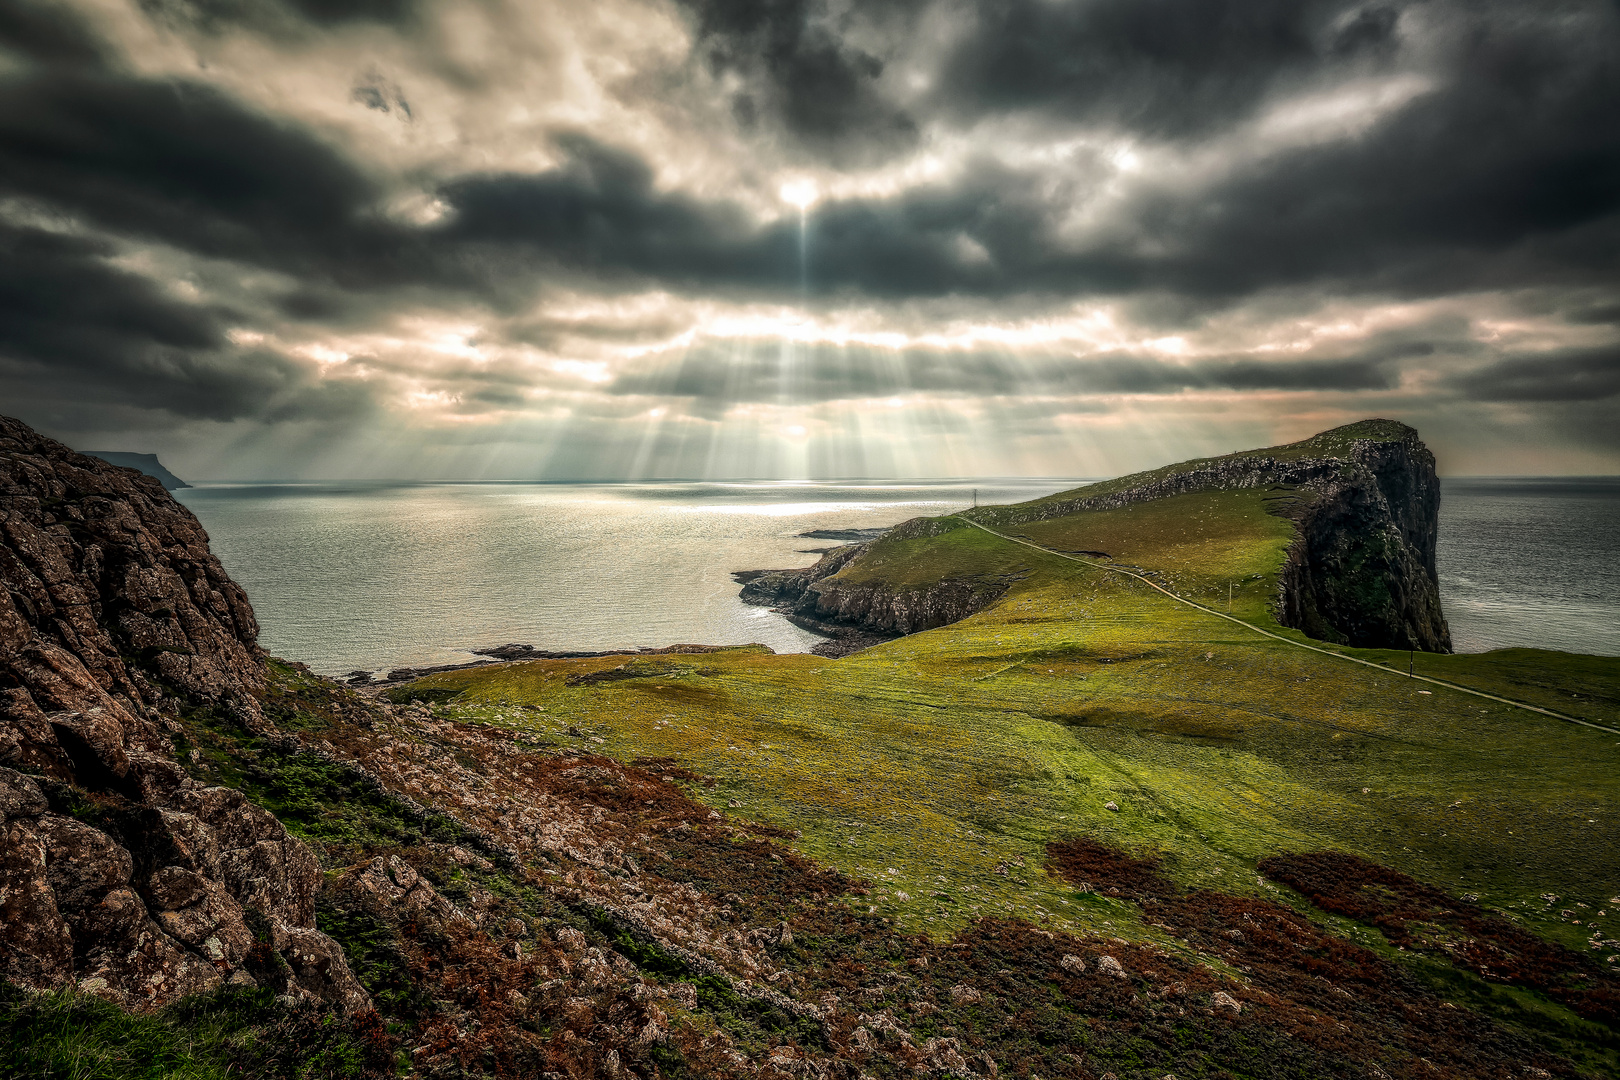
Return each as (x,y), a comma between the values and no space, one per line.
(119,872)
(141,463)
(861,608)
(1364,500)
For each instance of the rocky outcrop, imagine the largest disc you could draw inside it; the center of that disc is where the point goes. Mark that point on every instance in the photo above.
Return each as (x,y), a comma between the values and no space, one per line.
(119,871)
(775,588)
(856,614)
(879,608)
(1361,570)
(1365,500)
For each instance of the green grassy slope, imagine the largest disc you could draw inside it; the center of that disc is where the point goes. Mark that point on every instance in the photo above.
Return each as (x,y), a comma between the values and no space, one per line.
(952,757)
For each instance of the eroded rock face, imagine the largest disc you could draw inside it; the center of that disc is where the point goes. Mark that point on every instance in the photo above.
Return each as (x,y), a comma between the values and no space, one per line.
(1361,570)
(118,870)
(857,614)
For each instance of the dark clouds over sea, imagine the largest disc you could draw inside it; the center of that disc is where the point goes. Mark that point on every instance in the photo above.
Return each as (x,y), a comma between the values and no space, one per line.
(398,237)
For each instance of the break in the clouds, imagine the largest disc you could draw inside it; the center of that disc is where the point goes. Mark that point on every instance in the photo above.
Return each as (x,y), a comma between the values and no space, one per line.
(792,237)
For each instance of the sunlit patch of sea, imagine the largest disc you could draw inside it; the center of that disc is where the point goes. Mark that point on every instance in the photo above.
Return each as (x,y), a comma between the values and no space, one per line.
(371,576)
(379,575)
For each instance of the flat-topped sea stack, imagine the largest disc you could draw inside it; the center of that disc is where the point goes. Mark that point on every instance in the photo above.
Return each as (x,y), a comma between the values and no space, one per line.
(1358,569)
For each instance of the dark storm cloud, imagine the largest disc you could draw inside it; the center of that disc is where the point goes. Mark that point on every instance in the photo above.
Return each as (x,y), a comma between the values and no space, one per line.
(1507,170)
(1160,67)
(1138,376)
(1504,173)
(1607,311)
(1521,149)
(749,372)
(1488,185)
(77,328)
(183,164)
(1517,149)
(63,301)
(48,32)
(1572,375)
(601,212)
(105,158)
(800,73)
(284,17)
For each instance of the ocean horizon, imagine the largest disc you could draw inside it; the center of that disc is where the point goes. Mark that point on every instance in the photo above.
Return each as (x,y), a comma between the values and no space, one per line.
(373,575)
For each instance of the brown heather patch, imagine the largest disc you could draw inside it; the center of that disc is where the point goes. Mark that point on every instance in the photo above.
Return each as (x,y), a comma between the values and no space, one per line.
(606,924)
(1332,995)
(1097,867)
(1423,918)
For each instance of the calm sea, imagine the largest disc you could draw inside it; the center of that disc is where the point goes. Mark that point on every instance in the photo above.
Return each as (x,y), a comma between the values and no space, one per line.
(1531,562)
(379,575)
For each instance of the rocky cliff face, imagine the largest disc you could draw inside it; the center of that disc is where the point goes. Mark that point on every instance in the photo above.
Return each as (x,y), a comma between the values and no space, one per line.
(118,870)
(1361,570)
(1365,500)
(855,615)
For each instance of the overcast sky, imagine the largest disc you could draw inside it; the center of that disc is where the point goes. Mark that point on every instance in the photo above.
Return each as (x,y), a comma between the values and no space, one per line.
(753,238)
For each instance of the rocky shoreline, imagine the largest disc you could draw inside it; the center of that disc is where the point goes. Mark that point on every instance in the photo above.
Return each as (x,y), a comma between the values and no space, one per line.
(857,616)
(1361,570)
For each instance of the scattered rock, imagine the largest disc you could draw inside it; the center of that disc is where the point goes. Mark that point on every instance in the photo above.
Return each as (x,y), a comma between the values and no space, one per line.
(962,994)
(404,893)
(1109,966)
(1223,1000)
(1072,963)
(944,1055)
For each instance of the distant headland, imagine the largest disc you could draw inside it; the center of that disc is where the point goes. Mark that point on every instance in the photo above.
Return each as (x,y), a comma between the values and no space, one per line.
(145,463)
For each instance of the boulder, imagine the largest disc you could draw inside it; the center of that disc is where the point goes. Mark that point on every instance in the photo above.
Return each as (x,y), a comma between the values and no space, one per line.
(111,604)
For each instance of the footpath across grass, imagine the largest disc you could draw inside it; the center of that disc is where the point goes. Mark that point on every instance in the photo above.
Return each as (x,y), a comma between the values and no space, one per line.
(938,766)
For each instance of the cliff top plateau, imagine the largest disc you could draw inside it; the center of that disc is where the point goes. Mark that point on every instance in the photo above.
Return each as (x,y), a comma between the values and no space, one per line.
(1124,783)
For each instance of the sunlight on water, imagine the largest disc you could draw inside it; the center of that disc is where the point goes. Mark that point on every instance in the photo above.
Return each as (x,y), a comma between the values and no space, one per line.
(374,576)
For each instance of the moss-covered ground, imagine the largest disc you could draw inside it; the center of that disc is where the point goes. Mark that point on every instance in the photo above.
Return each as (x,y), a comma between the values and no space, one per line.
(68,1035)
(940,765)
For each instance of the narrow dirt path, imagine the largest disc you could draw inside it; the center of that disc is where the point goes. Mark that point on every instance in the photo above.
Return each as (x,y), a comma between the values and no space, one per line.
(1288,641)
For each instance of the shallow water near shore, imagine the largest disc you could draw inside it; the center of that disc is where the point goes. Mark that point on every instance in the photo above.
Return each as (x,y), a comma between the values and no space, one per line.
(372,576)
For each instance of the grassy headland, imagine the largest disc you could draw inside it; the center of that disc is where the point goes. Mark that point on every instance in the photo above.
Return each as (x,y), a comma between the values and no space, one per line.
(954,756)
(1089,755)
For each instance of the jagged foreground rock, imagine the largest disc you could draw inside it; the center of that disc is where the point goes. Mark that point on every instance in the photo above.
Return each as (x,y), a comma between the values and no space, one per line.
(1365,501)
(118,871)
